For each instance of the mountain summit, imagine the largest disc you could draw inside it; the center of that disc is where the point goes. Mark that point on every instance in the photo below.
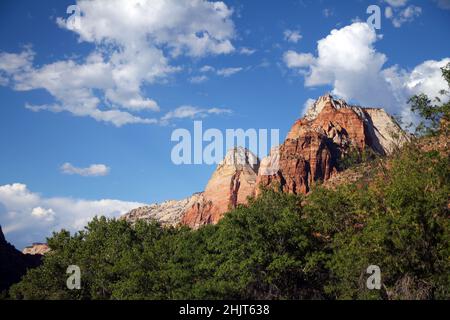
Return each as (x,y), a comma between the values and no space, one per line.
(230,185)
(233,181)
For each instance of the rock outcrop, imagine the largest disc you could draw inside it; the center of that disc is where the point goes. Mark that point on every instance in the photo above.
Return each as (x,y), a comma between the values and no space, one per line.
(36,248)
(169,213)
(301,162)
(231,184)
(13,263)
(328,132)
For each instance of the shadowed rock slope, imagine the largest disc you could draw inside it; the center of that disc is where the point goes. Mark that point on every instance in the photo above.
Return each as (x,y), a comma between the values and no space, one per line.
(13,263)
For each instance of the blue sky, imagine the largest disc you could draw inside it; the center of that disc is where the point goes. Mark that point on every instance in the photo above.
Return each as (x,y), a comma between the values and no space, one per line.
(263,63)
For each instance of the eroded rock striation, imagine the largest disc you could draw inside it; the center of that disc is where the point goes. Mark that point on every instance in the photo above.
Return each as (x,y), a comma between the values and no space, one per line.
(329,130)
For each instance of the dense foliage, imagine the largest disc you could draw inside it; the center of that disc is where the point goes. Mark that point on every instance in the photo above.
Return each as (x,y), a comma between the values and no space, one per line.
(280,246)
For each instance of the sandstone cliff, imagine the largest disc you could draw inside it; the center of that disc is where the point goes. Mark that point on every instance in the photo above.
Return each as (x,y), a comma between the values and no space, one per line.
(231,184)
(329,130)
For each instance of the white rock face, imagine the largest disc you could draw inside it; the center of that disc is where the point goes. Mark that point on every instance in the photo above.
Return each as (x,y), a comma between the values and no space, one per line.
(234,179)
(168,213)
(240,157)
(271,164)
(386,130)
(382,128)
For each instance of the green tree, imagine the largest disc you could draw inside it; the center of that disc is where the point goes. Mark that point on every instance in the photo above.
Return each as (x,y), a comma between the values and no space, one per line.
(262,251)
(405,231)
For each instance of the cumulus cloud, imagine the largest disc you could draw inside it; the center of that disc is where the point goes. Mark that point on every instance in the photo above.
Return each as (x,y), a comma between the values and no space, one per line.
(41,213)
(134,43)
(192,112)
(293,36)
(29,217)
(94,170)
(298,60)
(348,61)
(195,28)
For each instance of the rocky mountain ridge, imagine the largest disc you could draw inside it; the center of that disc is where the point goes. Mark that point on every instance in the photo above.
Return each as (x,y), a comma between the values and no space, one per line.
(316,143)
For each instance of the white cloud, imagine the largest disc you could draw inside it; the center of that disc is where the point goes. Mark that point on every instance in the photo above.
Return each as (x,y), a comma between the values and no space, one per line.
(134,42)
(41,213)
(198,79)
(425,78)
(195,28)
(192,113)
(247,51)
(400,16)
(94,170)
(223,72)
(28,217)
(396,3)
(207,69)
(227,72)
(348,61)
(293,36)
(298,60)
(15,63)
